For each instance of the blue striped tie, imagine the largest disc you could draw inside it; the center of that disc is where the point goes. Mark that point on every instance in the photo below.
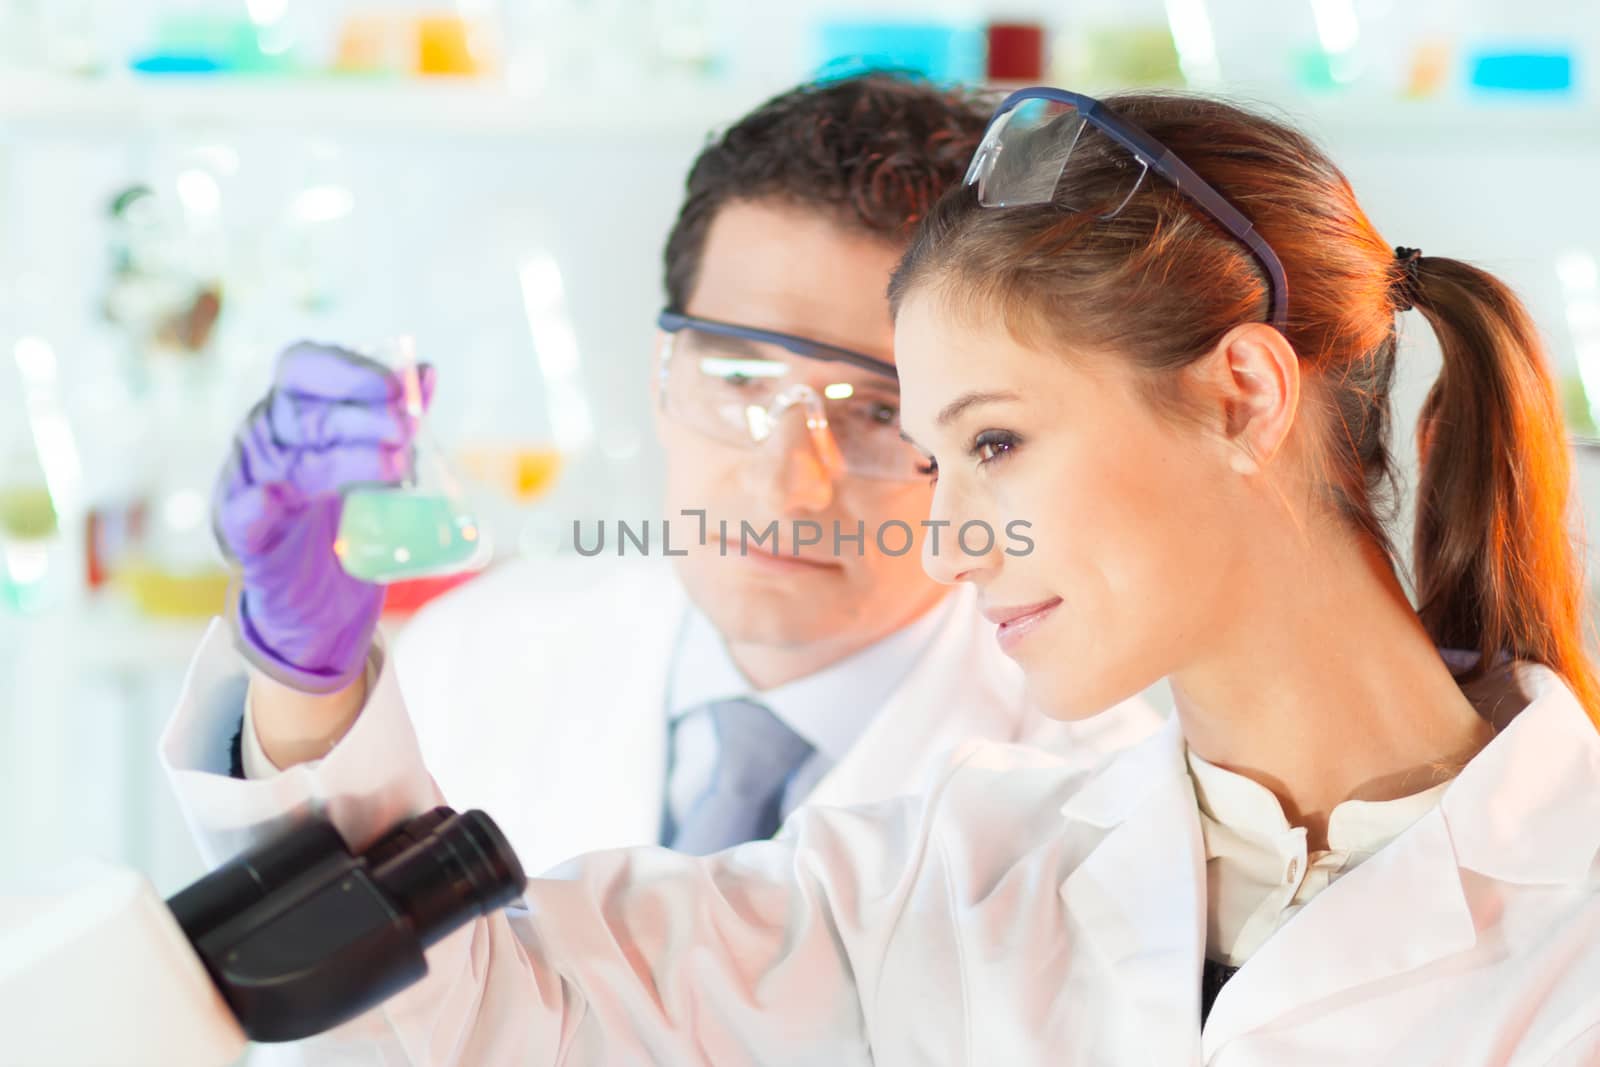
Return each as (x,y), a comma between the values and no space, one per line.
(756,756)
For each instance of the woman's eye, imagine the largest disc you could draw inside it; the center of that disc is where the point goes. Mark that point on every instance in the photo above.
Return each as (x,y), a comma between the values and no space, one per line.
(992,444)
(929,468)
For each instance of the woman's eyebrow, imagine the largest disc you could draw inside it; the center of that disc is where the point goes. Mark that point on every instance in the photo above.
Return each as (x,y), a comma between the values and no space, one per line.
(956,407)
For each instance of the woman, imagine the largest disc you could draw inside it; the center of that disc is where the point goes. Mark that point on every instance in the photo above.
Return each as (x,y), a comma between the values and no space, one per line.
(1163,332)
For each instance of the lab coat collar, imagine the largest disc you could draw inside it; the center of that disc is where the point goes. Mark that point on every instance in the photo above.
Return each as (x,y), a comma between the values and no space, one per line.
(1126,781)
(1526,810)
(960,685)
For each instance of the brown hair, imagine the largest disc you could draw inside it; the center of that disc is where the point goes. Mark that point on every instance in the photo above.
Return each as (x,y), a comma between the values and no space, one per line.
(1495,567)
(876,151)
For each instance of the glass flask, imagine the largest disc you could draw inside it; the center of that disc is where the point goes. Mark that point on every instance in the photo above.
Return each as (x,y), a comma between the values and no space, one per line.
(422,527)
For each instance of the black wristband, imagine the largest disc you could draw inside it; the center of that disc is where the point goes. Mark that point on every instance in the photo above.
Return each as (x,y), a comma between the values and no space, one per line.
(236,751)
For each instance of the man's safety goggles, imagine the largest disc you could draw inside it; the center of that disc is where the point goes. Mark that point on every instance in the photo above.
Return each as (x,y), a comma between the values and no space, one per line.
(1053,146)
(736,383)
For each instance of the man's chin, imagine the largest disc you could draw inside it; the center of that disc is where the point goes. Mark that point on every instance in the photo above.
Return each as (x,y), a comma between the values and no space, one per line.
(753,613)
(775,626)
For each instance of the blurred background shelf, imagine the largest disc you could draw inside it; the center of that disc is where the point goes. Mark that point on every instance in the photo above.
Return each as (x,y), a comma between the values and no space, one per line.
(108,633)
(1495,128)
(58,106)
(61,106)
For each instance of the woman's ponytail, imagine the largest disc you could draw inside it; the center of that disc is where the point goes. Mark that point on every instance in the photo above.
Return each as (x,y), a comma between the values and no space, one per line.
(1497,570)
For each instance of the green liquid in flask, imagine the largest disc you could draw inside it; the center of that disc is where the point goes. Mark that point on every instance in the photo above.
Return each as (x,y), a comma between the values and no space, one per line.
(387,535)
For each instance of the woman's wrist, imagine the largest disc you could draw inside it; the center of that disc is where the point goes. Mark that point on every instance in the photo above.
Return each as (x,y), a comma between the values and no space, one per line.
(293,727)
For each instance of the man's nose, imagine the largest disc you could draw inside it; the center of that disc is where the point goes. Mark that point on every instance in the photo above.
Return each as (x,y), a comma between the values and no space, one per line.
(796,466)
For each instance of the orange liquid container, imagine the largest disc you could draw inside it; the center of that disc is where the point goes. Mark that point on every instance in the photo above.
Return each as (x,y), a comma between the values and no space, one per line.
(1430,70)
(522,473)
(449,45)
(371,43)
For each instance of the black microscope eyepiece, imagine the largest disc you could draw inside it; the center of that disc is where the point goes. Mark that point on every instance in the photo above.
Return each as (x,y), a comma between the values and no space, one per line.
(300,934)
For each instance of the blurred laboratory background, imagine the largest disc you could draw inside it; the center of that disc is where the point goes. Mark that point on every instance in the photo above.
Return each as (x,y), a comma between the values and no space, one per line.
(186,185)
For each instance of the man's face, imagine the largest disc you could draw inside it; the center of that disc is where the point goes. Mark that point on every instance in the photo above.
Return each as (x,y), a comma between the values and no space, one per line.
(793,270)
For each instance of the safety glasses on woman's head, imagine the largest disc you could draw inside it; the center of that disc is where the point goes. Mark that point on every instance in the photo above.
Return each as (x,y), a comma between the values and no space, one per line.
(1053,146)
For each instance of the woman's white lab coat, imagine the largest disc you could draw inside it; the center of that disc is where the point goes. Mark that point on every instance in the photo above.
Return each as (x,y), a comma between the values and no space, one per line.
(1018,914)
(538,693)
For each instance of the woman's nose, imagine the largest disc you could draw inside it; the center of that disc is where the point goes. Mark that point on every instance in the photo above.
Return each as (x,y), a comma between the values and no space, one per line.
(956,546)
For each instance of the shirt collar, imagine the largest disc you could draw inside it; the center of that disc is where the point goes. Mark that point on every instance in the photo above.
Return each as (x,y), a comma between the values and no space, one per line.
(830,708)
(1525,810)
(1251,811)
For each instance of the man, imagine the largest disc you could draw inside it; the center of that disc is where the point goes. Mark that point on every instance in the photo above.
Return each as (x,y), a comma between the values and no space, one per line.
(692,702)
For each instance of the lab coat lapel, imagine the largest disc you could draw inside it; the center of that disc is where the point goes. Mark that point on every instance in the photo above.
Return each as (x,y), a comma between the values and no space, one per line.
(1524,811)
(957,689)
(1399,910)
(609,751)
(1136,900)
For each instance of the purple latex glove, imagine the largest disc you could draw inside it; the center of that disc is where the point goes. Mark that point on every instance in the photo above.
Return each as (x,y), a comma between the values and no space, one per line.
(332,419)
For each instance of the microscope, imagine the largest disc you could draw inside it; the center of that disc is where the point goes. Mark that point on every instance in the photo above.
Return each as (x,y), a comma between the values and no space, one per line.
(287,940)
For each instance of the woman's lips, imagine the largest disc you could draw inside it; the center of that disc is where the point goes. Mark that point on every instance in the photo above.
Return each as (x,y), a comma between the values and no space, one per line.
(1015,623)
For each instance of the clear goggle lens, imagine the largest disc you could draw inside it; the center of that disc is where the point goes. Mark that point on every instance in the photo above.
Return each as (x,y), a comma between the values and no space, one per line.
(1044,151)
(741,392)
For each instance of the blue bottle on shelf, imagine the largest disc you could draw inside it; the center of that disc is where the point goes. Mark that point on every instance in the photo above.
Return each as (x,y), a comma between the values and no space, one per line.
(1542,70)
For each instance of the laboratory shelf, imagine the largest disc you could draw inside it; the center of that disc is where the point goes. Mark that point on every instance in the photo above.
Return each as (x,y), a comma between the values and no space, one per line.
(56,105)
(1486,127)
(52,105)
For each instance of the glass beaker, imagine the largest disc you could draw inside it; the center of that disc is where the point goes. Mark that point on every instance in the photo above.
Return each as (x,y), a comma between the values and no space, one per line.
(422,527)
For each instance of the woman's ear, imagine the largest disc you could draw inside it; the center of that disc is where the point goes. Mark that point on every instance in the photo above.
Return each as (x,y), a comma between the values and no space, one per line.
(1250,386)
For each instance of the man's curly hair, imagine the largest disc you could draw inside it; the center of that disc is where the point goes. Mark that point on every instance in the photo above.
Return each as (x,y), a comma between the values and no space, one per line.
(875,151)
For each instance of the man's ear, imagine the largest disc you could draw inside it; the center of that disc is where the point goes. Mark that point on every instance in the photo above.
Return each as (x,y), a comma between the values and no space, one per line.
(1249,387)
(658,348)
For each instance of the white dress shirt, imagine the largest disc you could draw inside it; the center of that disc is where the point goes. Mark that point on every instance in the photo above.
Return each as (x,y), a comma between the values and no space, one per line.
(830,708)
(1258,872)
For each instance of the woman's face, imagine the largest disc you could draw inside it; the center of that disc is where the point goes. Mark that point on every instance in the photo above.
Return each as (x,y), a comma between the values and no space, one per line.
(1128,508)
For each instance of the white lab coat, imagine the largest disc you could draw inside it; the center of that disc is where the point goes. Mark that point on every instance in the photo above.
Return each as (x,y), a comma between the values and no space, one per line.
(538,694)
(1020,913)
